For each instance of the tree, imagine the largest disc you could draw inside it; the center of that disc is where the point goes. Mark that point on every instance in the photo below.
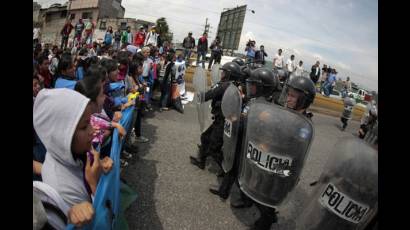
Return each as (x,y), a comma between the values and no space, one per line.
(162,29)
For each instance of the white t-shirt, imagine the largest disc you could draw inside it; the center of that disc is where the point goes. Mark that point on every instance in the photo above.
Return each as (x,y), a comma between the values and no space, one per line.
(146,67)
(36,33)
(291,65)
(278,61)
(299,70)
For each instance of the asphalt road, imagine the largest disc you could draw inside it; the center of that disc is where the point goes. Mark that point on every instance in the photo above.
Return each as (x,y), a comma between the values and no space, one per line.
(173,194)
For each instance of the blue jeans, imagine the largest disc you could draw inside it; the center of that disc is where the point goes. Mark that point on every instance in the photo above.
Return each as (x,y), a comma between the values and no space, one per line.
(327,88)
(201,53)
(187,55)
(116,45)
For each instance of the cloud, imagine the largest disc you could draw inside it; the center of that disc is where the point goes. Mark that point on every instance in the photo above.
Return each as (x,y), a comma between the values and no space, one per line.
(342,65)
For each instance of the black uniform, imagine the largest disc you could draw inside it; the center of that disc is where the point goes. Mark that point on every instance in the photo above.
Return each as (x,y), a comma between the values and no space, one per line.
(232,176)
(212,138)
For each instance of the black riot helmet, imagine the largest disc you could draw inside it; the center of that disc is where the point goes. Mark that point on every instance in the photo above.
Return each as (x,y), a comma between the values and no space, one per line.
(239,61)
(262,82)
(231,72)
(306,88)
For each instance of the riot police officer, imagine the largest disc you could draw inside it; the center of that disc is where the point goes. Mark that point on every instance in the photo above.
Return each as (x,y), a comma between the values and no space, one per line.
(300,93)
(261,83)
(346,194)
(211,139)
(239,61)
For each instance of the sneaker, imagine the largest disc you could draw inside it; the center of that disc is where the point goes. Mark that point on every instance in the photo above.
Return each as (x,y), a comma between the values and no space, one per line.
(127,155)
(141,139)
(123,163)
(163,109)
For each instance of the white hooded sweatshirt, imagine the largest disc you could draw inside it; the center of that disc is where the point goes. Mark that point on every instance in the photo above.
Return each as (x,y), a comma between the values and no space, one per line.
(56,113)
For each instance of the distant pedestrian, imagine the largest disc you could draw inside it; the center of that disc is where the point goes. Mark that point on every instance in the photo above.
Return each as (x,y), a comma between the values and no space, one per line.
(65,33)
(315,72)
(202,49)
(278,60)
(299,69)
(188,44)
(260,55)
(216,52)
(117,39)
(108,37)
(250,51)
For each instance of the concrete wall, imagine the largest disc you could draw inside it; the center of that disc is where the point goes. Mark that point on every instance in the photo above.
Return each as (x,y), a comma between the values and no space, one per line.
(36,14)
(50,32)
(111,9)
(82,4)
(79,13)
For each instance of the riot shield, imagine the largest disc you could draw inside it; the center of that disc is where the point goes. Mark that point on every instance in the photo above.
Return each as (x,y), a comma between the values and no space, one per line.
(346,195)
(372,135)
(231,108)
(276,145)
(215,74)
(199,80)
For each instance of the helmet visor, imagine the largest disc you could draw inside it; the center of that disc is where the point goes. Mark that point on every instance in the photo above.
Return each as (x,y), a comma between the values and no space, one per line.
(253,88)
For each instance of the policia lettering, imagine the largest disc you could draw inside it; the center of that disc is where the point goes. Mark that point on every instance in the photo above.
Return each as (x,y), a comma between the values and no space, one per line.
(342,205)
(268,161)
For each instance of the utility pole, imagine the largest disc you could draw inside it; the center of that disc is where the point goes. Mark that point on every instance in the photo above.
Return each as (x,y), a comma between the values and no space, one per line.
(206,26)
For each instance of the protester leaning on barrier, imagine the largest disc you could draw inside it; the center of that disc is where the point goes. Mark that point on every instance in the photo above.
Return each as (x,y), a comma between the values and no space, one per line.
(92,87)
(61,119)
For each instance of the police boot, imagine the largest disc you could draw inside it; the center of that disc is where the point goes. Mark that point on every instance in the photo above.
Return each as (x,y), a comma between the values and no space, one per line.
(215,190)
(197,162)
(264,222)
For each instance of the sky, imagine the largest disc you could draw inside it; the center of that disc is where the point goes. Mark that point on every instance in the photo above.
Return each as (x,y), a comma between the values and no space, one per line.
(340,33)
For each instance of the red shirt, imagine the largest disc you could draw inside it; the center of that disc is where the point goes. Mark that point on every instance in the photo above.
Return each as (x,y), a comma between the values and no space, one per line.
(139,38)
(47,78)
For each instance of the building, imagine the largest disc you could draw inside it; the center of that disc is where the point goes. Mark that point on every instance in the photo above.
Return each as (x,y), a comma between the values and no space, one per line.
(36,13)
(95,9)
(51,21)
(103,12)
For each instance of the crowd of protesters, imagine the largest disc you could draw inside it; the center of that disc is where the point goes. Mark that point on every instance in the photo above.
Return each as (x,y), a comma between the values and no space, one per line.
(77,85)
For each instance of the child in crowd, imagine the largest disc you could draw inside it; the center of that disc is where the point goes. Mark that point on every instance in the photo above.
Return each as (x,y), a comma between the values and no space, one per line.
(92,86)
(113,89)
(61,119)
(66,72)
(147,80)
(44,72)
